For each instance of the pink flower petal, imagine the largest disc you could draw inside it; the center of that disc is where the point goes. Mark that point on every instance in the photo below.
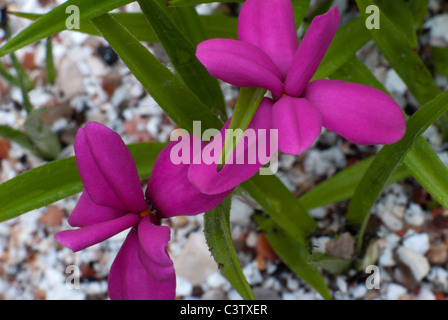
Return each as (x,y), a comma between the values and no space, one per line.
(311,51)
(241,64)
(82,238)
(298,124)
(129,279)
(269,24)
(247,157)
(361,114)
(107,169)
(170,191)
(88,212)
(152,249)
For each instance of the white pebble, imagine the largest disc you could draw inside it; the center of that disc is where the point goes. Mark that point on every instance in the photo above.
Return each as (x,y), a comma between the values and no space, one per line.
(417,242)
(395,291)
(417,263)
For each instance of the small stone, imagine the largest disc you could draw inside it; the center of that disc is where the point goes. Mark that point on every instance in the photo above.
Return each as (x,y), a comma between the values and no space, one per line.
(438,253)
(5,145)
(395,291)
(414,215)
(195,256)
(416,262)
(418,242)
(342,247)
(52,217)
(264,249)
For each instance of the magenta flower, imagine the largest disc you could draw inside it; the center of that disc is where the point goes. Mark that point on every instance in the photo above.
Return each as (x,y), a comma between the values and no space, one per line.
(268,55)
(113,201)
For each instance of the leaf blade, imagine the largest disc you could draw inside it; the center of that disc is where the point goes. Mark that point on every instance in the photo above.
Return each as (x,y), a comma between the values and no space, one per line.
(219,241)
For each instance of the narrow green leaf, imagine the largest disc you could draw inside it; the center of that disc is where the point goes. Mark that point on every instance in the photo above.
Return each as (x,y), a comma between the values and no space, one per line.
(16,136)
(181,3)
(419,9)
(281,205)
(218,25)
(387,160)
(246,105)
(187,20)
(49,62)
(330,264)
(401,57)
(219,241)
(170,92)
(294,254)
(181,52)
(300,10)
(439,60)
(24,82)
(348,40)
(58,180)
(45,141)
(342,185)
(427,168)
(399,12)
(55,21)
(421,161)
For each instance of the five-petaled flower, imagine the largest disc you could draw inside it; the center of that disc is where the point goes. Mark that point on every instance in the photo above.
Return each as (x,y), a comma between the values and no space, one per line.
(268,55)
(113,201)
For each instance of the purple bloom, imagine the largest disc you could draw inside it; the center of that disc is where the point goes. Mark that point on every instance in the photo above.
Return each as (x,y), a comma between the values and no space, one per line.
(113,201)
(268,55)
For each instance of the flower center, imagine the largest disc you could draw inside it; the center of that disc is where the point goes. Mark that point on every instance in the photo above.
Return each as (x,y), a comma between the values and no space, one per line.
(146,212)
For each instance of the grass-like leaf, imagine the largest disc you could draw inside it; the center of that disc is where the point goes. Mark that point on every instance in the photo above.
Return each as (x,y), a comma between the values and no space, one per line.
(55,21)
(294,254)
(388,159)
(219,241)
(181,51)
(167,89)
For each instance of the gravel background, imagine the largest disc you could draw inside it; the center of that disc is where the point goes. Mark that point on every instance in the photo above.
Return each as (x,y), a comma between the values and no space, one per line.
(411,235)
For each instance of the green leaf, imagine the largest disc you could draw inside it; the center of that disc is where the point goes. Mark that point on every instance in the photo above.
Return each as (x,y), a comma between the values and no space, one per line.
(247,104)
(58,180)
(427,168)
(218,25)
(388,159)
(421,161)
(181,52)
(219,241)
(49,62)
(401,57)
(24,82)
(45,141)
(16,136)
(55,21)
(348,40)
(180,104)
(399,12)
(419,9)
(439,60)
(330,264)
(300,10)
(294,254)
(181,3)
(343,184)
(281,205)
